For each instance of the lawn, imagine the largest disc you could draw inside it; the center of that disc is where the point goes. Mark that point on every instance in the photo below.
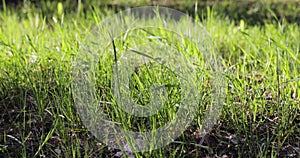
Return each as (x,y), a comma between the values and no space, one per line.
(41,116)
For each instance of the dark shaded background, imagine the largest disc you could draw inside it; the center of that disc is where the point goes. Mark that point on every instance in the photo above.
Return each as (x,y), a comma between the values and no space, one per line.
(252,11)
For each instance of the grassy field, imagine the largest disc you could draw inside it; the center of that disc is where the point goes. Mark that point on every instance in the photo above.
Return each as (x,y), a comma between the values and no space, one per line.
(255,12)
(260,114)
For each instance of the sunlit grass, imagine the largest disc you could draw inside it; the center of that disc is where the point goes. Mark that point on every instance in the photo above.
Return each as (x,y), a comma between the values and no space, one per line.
(260,117)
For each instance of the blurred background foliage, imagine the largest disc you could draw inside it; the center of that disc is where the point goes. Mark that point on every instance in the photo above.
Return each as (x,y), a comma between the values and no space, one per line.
(252,11)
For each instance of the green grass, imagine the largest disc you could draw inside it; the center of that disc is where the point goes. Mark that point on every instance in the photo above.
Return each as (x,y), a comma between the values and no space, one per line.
(260,116)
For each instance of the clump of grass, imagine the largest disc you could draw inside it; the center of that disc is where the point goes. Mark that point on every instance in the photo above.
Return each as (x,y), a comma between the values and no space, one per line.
(260,117)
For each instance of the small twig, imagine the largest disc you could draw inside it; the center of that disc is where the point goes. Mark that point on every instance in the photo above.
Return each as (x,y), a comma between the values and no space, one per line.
(14,138)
